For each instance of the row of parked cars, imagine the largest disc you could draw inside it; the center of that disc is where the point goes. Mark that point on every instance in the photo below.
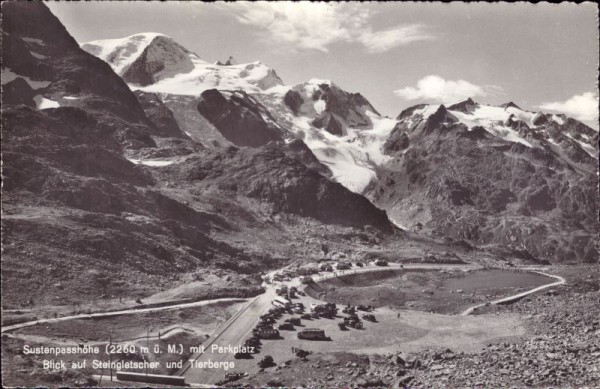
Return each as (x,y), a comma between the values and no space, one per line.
(352,320)
(348,265)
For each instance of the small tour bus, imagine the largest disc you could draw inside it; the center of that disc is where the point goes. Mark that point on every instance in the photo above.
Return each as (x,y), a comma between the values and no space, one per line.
(282,302)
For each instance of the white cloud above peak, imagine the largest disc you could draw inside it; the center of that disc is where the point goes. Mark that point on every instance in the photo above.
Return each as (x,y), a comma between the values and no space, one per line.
(380,41)
(583,107)
(316,26)
(436,88)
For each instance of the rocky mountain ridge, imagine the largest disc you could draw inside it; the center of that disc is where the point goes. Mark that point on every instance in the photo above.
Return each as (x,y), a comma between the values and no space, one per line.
(514,178)
(497,176)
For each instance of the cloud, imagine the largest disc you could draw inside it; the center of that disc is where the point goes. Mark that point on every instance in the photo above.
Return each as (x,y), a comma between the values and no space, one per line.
(582,107)
(436,88)
(316,26)
(380,41)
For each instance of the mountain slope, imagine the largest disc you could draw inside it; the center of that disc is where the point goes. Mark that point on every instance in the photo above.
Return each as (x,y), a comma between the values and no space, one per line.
(274,175)
(494,175)
(501,171)
(57,70)
(239,118)
(73,203)
(89,211)
(342,129)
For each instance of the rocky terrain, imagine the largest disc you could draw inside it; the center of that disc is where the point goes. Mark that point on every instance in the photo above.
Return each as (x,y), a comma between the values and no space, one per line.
(501,177)
(86,216)
(479,179)
(135,170)
(562,350)
(239,118)
(274,175)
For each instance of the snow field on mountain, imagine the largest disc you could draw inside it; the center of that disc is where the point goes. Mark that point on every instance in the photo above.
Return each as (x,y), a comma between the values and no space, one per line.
(593,152)
(489,117)
(36,55)
(421,114)
(252,77)
(120,53)
(558,119)
(43,103)
(34,40)
(8,76)
(151,162)
(353,158)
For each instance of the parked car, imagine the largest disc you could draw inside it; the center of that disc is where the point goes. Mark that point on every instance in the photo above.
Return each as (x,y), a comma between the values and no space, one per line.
(266,362)
(241,355)
(348,309)
(252,342)
(369,317)
(286,326)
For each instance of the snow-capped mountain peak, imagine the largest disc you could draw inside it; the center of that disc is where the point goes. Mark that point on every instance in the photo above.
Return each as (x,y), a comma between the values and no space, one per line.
(343,130)
(507,122)
(466,106)
(154,62)
(230,61)
(510,104)
(120,53)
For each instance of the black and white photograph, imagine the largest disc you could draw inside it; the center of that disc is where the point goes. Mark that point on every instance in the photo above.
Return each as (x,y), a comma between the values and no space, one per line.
(300,194)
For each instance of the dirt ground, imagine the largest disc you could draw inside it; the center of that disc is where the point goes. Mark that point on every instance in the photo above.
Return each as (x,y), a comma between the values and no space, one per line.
(412,331)
(395,330)
(447,292)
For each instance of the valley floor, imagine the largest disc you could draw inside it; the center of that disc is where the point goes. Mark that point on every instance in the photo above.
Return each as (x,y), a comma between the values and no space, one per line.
(403,346)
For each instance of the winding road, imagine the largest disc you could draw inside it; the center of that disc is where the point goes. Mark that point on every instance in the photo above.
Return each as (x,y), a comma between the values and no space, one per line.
(516,297)
(129,311)
(239,327)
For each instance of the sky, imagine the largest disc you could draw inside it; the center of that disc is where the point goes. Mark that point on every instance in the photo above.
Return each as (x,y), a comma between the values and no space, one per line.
(540,56)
